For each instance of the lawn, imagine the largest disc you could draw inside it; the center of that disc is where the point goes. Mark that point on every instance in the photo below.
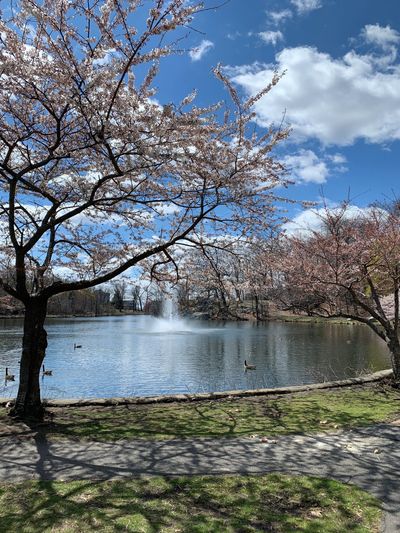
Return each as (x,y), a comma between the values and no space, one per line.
(198,504)
(262,415)
(220,504)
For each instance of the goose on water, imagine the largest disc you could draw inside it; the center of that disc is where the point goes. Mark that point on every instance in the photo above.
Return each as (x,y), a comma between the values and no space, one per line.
(47,372)
(9,377)
(248,367)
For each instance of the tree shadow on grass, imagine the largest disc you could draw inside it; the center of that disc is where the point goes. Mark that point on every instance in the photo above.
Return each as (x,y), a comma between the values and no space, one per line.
(225,418)
(54,505)
(316,455)
(191,504)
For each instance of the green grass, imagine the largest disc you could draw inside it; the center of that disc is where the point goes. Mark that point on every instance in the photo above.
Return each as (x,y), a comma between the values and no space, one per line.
(198,504)
(300,413)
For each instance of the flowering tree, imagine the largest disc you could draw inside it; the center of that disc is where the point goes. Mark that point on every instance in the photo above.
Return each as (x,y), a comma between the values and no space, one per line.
(350,267)
(235,277)
(95,175)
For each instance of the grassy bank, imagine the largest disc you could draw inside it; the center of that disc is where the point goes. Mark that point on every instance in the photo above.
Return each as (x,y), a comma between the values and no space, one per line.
(299,413)
(198,504)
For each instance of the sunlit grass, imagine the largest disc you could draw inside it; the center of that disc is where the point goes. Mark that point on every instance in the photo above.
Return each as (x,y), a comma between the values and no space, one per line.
(310,412)
(198,504)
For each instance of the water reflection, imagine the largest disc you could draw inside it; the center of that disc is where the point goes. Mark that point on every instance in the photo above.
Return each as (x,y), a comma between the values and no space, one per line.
(141,355)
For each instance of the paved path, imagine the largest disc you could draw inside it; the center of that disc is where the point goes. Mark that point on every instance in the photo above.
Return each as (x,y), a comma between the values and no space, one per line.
(369,458)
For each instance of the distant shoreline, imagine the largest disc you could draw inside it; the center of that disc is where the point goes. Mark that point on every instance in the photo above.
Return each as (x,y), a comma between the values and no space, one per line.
(125,313)
(299,319)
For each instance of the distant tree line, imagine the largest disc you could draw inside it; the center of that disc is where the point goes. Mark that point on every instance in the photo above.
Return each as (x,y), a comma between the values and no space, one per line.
(88,302)
(84,302)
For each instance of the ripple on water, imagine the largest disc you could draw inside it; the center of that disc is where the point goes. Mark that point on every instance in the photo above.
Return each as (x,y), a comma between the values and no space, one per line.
(142,355)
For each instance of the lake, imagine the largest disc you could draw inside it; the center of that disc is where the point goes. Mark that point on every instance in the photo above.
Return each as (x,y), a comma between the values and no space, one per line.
(144,356)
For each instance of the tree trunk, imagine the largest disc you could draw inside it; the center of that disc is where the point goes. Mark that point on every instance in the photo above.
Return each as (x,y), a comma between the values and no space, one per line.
(28,404)
(257,304)
(394,347)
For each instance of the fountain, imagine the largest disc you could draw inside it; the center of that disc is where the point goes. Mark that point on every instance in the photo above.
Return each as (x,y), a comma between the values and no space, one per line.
(169,309)
(170,321)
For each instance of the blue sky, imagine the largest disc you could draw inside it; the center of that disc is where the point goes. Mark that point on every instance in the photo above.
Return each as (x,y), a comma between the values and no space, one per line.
(340,93)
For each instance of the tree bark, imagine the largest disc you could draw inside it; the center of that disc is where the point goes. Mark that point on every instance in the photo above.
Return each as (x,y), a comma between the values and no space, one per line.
(257,304)
(28,404)
(394,347)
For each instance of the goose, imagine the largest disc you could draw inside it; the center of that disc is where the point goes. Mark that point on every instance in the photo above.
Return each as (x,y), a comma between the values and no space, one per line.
(47,372)
(77,346)
(248,367)
(9,377)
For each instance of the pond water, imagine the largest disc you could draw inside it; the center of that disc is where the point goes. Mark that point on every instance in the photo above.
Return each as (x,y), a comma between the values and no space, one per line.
(143,355)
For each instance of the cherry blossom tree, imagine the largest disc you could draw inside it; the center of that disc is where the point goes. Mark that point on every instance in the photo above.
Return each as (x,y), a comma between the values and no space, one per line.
(225,277)
(209,269)
(349,267)
(96,175)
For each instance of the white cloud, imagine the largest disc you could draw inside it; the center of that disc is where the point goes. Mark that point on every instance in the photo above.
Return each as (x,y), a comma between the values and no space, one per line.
(339,162)
(197,53)
(105,57)
(271,37)
(279,16)
(311,220)
(234,35)
(303,223)
(64,273)
(338,159)
(383,36)
(305,6)
(165,209)
(307,167)
(334,100)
